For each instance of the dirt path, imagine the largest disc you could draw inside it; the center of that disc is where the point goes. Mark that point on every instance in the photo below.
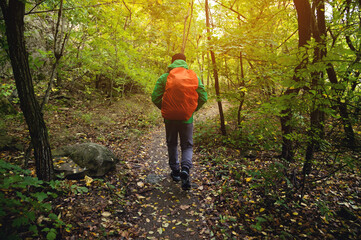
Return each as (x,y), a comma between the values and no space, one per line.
(165,210)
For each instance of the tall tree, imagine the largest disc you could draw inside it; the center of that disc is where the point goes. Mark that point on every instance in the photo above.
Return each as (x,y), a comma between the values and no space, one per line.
(241,92)
(185,31)
(58,49)
(215,72)
(304,34)
(342,103)
(316,131)
(13,12)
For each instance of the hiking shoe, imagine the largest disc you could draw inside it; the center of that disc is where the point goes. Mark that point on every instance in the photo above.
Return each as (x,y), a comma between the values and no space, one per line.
(186,184)
(175,176)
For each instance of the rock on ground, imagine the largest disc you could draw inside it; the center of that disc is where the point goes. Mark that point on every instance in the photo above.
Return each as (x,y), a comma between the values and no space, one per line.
(90,159)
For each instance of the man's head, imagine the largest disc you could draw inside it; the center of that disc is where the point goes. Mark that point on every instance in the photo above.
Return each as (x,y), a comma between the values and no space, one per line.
(178,56)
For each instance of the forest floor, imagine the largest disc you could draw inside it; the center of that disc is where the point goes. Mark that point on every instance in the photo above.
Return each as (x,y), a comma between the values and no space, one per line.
(232,195)
(136,201)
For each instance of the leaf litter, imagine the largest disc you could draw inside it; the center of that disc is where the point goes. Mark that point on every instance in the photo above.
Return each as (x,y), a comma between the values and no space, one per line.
(226,201)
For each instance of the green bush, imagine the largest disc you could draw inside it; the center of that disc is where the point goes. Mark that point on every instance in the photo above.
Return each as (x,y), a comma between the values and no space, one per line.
(25,208)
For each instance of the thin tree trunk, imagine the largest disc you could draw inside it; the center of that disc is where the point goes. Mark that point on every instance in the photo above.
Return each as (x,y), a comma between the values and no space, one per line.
(316,132)
(201,67)
(186,34)
(215,74)
(58,48)
(128,19)
(242,94)
(200,61)
(208,72)
(13,13)
(346,121)
(304,34)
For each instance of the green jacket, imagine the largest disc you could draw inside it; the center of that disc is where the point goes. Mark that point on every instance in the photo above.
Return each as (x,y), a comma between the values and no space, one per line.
(159,89)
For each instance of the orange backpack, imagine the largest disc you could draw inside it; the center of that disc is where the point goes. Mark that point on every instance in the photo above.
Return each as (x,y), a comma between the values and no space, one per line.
(180,98)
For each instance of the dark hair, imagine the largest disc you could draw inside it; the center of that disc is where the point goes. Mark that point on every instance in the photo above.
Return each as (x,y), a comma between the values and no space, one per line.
(180,56)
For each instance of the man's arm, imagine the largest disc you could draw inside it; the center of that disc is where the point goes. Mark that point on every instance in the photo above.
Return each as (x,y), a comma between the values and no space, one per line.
(202,94)
(158,91)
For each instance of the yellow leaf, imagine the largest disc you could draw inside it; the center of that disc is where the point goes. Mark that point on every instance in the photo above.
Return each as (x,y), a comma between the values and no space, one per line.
(248,179)
(262,209)
(324,219)
(106,214)
(139,196)
(295,213)
(88,180)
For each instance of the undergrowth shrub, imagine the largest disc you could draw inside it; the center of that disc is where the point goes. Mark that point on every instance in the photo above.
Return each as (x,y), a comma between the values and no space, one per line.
(255,132)
(25,204)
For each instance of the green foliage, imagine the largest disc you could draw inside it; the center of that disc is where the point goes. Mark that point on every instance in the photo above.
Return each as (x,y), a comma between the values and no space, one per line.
(258,225)
(87,118)
(6,89)
(37,62)
(324,209)
(25,203)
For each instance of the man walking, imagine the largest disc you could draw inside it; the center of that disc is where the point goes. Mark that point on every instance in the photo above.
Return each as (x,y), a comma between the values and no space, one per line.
(179,93)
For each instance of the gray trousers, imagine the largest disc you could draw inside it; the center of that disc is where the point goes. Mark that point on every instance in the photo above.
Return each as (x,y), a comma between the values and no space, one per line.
(185,133)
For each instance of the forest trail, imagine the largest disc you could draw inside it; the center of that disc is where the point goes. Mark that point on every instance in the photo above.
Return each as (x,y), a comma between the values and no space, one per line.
(167,212)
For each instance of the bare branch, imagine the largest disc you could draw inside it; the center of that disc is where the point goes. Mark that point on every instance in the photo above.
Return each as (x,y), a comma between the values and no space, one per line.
(230,8)
(36,5)
(287,38)
(66,9)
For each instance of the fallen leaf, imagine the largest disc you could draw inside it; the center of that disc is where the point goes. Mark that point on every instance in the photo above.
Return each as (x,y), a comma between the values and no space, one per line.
(139,196)
(88,180)
(184,207)
(106,214)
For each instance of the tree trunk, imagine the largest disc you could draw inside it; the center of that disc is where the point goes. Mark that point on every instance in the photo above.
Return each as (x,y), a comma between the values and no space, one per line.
(14,21)
(208,72)
(316,132)
(215,74)
(342,106)
(58,48)
(304,34)
(242,93)
(186,33)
